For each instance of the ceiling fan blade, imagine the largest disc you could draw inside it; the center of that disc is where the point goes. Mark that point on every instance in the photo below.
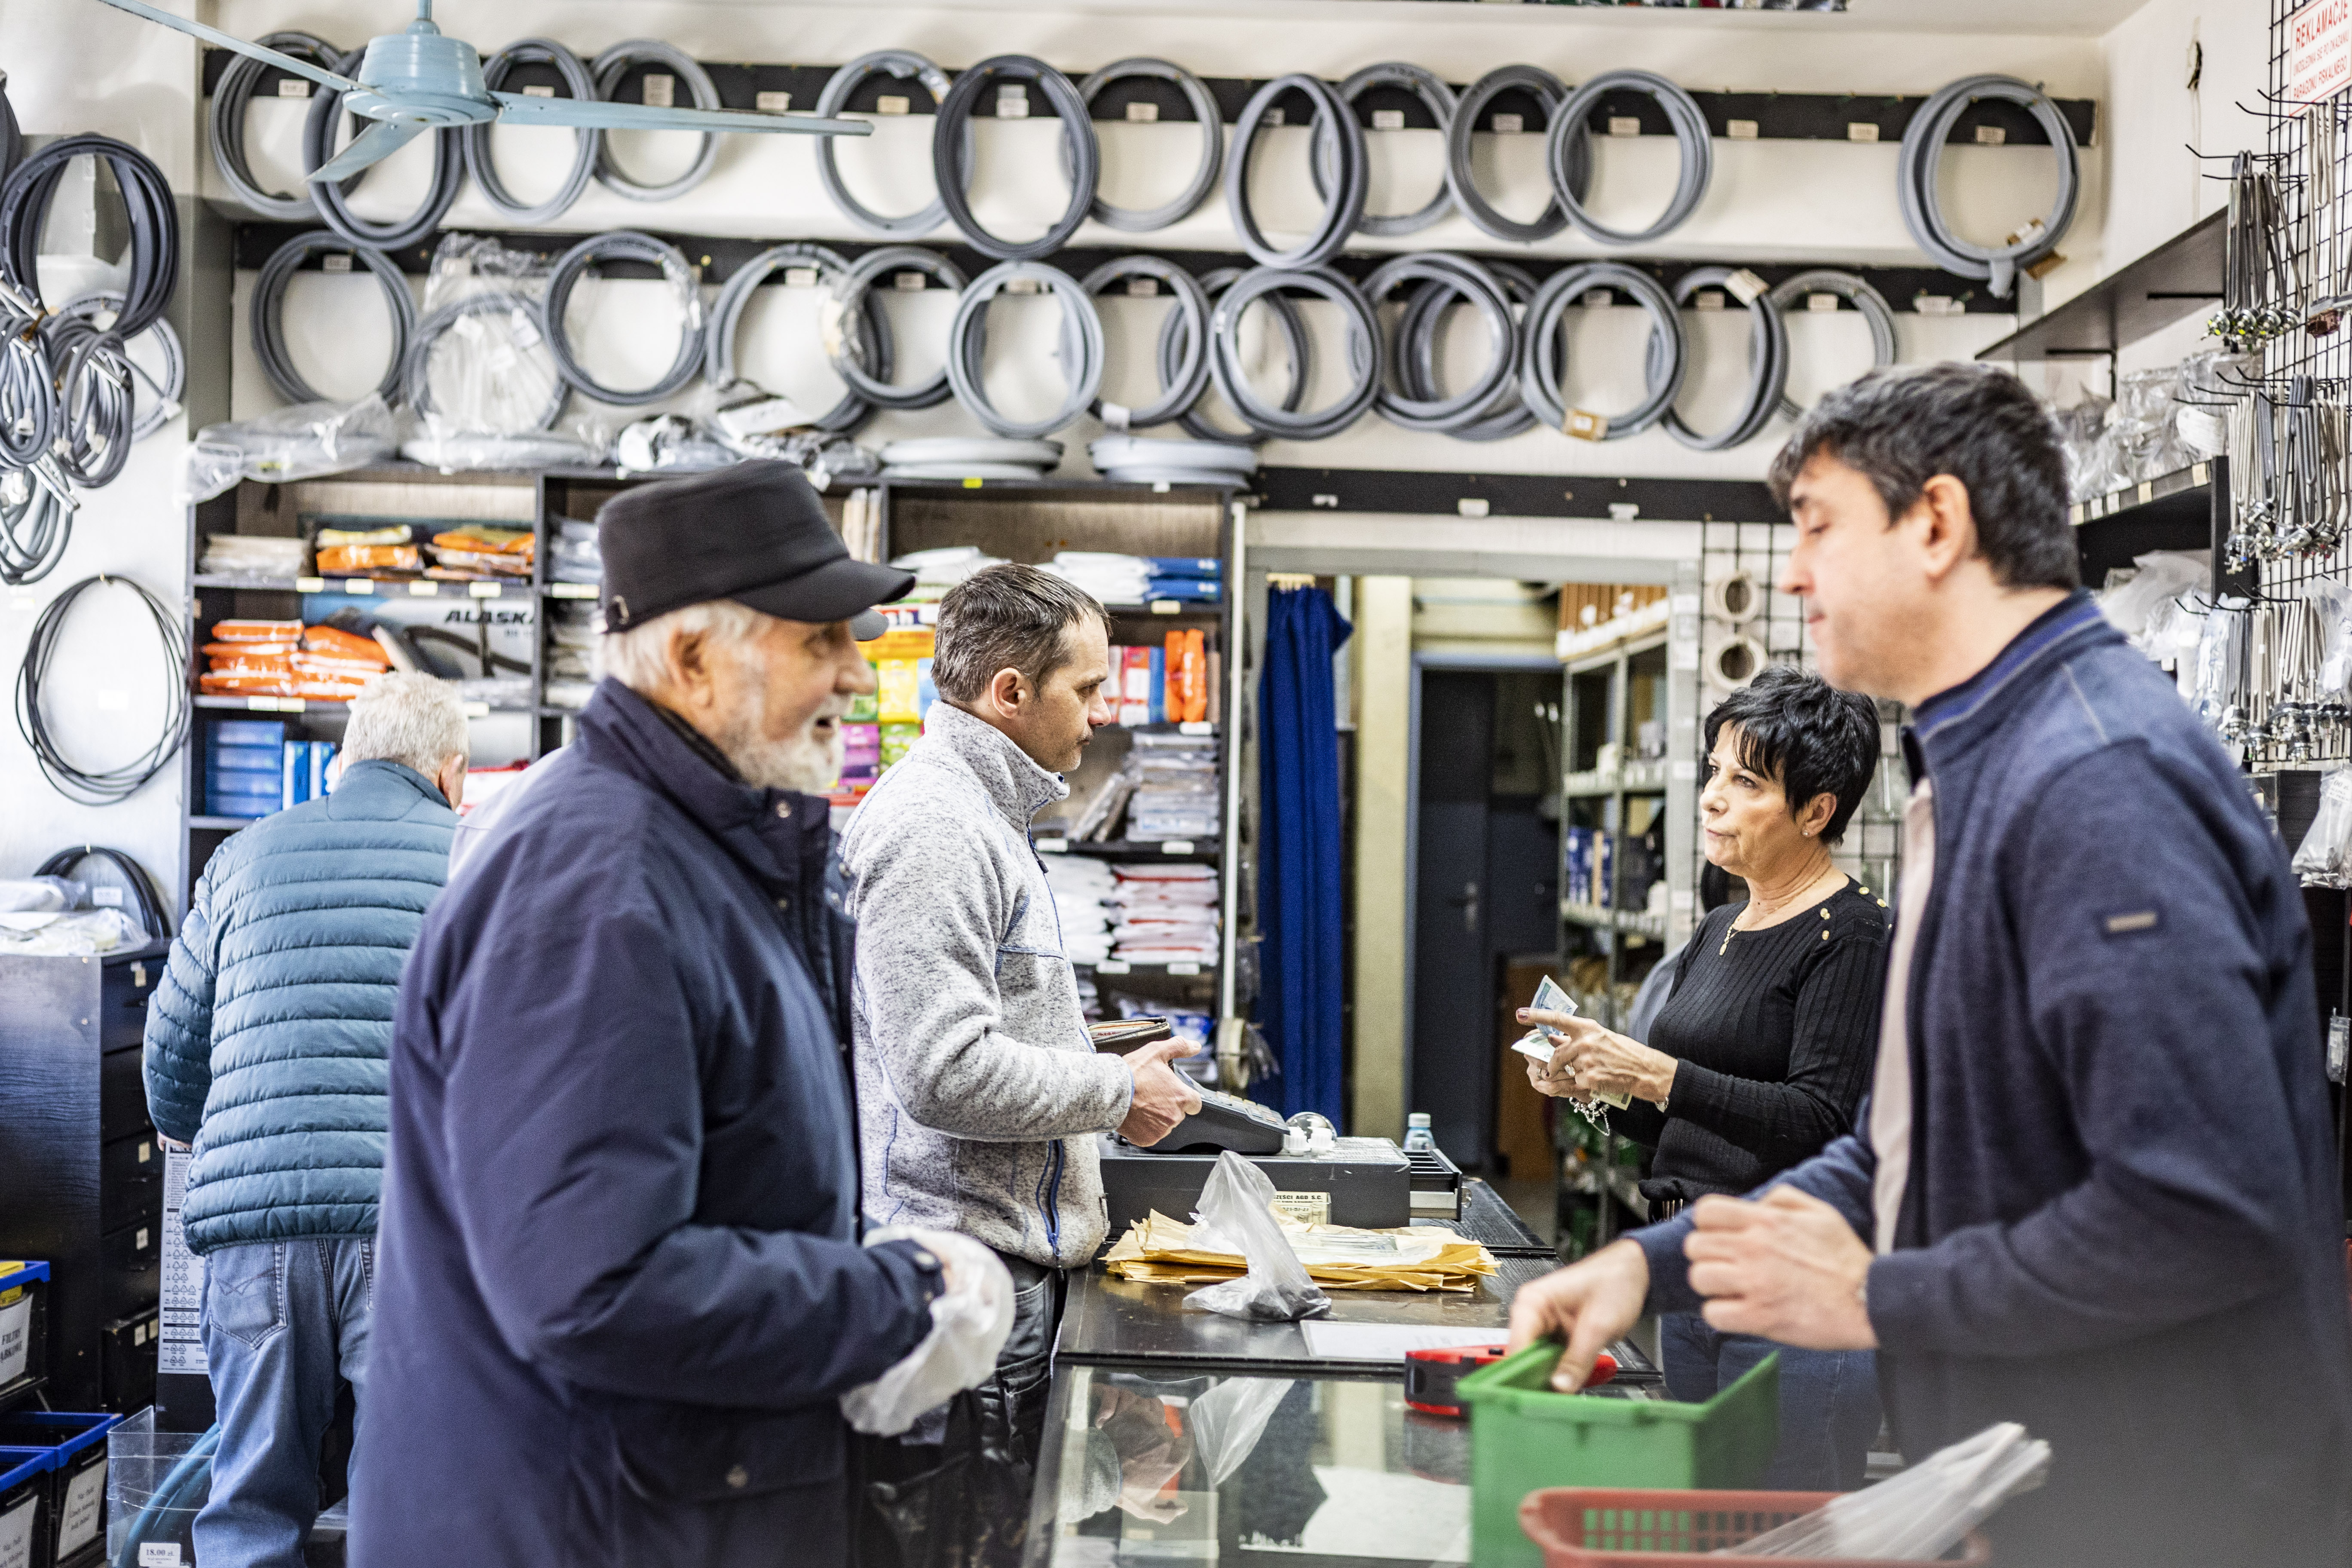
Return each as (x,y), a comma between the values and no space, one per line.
(378,142)
(230,41)
(597,115)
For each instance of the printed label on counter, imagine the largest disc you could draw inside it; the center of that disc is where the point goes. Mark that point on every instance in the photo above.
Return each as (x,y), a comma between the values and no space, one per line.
(1308,1208)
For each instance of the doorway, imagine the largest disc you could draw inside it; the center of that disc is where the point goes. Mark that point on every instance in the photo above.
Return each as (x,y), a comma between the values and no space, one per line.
(1484,880)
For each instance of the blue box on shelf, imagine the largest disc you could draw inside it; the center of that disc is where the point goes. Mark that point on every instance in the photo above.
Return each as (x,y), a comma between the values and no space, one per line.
(245,759)
(75,1442)
(271,732)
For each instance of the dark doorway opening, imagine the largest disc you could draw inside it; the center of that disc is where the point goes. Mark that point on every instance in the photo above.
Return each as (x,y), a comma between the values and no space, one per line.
(1485,888)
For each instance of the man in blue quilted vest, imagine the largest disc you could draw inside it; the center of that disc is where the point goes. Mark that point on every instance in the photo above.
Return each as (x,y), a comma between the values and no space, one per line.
(266,1045)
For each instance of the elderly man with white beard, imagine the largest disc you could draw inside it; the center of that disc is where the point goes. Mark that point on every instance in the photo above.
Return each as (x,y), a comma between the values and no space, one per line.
(621,1286)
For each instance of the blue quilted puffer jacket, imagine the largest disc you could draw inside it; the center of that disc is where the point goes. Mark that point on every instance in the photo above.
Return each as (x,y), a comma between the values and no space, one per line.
(267,1036)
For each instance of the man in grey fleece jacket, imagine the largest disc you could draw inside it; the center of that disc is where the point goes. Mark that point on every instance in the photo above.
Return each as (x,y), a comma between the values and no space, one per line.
(979,1090)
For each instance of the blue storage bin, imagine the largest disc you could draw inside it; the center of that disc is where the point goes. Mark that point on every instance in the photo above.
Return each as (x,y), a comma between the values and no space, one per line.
(24,1505)
(75,1443)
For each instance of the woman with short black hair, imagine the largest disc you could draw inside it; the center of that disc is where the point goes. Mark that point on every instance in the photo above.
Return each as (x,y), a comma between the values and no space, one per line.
(1761,1054)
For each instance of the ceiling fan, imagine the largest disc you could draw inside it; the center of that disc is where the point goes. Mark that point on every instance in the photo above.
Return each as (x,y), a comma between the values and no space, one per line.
(423,80)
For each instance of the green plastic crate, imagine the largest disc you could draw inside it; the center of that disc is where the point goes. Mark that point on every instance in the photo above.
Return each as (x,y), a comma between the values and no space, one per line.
(1524,1437)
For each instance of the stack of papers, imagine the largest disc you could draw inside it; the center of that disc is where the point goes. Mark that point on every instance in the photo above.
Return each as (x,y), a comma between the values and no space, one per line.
(1159,1250)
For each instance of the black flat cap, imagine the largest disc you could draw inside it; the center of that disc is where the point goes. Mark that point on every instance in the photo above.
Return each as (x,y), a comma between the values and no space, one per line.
(755,532)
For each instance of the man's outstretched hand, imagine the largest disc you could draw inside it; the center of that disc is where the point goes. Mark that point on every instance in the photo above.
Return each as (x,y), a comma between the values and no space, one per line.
(1787,1266)
(1163,1097)
(1589,1304)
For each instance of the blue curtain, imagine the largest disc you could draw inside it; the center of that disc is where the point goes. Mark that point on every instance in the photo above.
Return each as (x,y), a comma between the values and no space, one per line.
(1300,850)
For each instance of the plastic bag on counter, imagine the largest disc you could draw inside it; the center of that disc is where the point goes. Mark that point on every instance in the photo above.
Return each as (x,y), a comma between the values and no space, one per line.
(1922,1512)
(300,442)
(970,1321)
(2323,859)
(1237,1214)
(40,895)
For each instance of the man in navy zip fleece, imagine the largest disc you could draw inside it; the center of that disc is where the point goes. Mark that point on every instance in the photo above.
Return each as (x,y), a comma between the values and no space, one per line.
(2095,1189)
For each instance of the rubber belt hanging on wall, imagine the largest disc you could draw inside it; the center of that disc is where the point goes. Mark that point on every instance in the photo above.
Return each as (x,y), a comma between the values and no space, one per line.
(579,84)
(1469,281)
(1367,356)
(615,64)
(625,245)
(872,346)
(906,65)
(231,97)
(319,146)
(1180,387)
(1335,124)
(1923,212)
(850,291)
(1542,363)
(1418,335)
(1212,146)
(951,163)
(1768,357)
(265,314)
(1548,91)
(1081,350)
(1856,292)
(1435,97)
(1175,351)
(1568,153)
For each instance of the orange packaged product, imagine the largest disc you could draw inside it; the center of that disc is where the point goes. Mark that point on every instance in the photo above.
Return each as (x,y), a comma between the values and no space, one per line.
(333,669)
(1196,675)
(337,558)
(336,643)
(487,541)
(247,649)
(256,631)
(254,664)
(324,690)
(214,685)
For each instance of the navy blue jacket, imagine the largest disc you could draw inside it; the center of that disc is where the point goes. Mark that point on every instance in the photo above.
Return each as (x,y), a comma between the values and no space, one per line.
(266,1039)
(2121,1226)
(619,1289)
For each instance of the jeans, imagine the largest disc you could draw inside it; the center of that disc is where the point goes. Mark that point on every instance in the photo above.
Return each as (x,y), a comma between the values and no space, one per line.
(283,1323)
(954,1490)
(1829,1399)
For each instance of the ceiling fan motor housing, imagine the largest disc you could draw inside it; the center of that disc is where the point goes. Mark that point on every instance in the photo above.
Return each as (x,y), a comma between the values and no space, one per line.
(422,77)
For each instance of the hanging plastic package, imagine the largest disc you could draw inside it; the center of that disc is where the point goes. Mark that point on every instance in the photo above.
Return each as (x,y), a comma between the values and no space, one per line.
(2331,602)
(301,442)
(970,1321)
(2325,857)
(480,380)
(1237,1214)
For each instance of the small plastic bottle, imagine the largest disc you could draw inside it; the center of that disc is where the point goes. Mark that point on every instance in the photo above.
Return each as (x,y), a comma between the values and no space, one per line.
(1416,1132)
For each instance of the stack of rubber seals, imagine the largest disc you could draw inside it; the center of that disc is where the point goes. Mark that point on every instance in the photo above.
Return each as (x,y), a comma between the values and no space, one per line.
(69,386)
(970,458)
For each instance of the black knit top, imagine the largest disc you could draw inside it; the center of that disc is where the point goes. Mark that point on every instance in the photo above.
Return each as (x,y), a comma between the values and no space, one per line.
(1775,1033)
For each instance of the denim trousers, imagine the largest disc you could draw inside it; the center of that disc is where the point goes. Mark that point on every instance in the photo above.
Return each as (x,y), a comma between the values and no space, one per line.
(1829,1399)
(284,1323)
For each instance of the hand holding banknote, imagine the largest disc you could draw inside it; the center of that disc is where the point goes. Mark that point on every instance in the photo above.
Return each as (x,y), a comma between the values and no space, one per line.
(1574,1057)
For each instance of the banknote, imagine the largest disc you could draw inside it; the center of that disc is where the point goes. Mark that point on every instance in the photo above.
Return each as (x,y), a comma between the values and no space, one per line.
(1540,1043)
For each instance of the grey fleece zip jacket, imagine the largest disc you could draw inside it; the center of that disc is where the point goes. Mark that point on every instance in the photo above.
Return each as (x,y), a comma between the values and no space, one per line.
(979,1092)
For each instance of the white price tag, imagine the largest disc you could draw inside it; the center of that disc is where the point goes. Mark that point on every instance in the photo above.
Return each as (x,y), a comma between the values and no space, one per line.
(541,91)
(341,261)
(425,590)
(890,104)
(310,584)
(661,90)
(1166,607)
(1709,300)
(1388,119)
(800,278)
(908,282)
(78,1523)
(1624,126)
(1739,129)
(1746,287)
(1013,102)
(1182,968)
(1142,113)
(571,590)
(359,585)
(1509,124)
(772,102)
(1990,136)
(293,87)
(1176,847)
(105,898)
(483,590)
(1861,131)
(15,1338)
(1821,304)
(159,1554)
(1142,288)
(1273,117)
(522,329)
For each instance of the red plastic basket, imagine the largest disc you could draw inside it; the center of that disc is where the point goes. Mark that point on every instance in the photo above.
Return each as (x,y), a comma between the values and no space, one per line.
(1612,1527)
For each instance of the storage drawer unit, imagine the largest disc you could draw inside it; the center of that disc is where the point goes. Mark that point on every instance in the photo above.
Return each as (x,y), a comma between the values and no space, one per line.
(71,1032)
(129,1351)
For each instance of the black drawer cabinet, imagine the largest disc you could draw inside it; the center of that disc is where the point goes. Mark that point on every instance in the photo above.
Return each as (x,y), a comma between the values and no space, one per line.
(76,1103)
(129,1361)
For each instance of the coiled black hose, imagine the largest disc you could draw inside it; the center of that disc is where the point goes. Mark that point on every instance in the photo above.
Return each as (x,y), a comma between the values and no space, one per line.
(1440,411)
(319,146)
(1462,180)
(37,511)
(1337,136)
(12,135)
(65,862)
(905,65)
(1212,144)
(233,96)
(94,398)
(28,389)
(1768,357)
(1569,141)
(1179,387)
(1176,348)
(612,65)
(580,85)
(873,346)
(1366,357)
(850,296)
(175,361)
(625,245)
(1541,361)
(146,196)
(1418,334)
(952,162)
(266,312)
(110,785)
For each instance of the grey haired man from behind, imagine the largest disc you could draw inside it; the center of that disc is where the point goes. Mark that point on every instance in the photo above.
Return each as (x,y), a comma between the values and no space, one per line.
(979,1090)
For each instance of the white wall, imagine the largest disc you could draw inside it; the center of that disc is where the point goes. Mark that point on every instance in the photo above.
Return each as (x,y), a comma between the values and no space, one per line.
(106,696)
